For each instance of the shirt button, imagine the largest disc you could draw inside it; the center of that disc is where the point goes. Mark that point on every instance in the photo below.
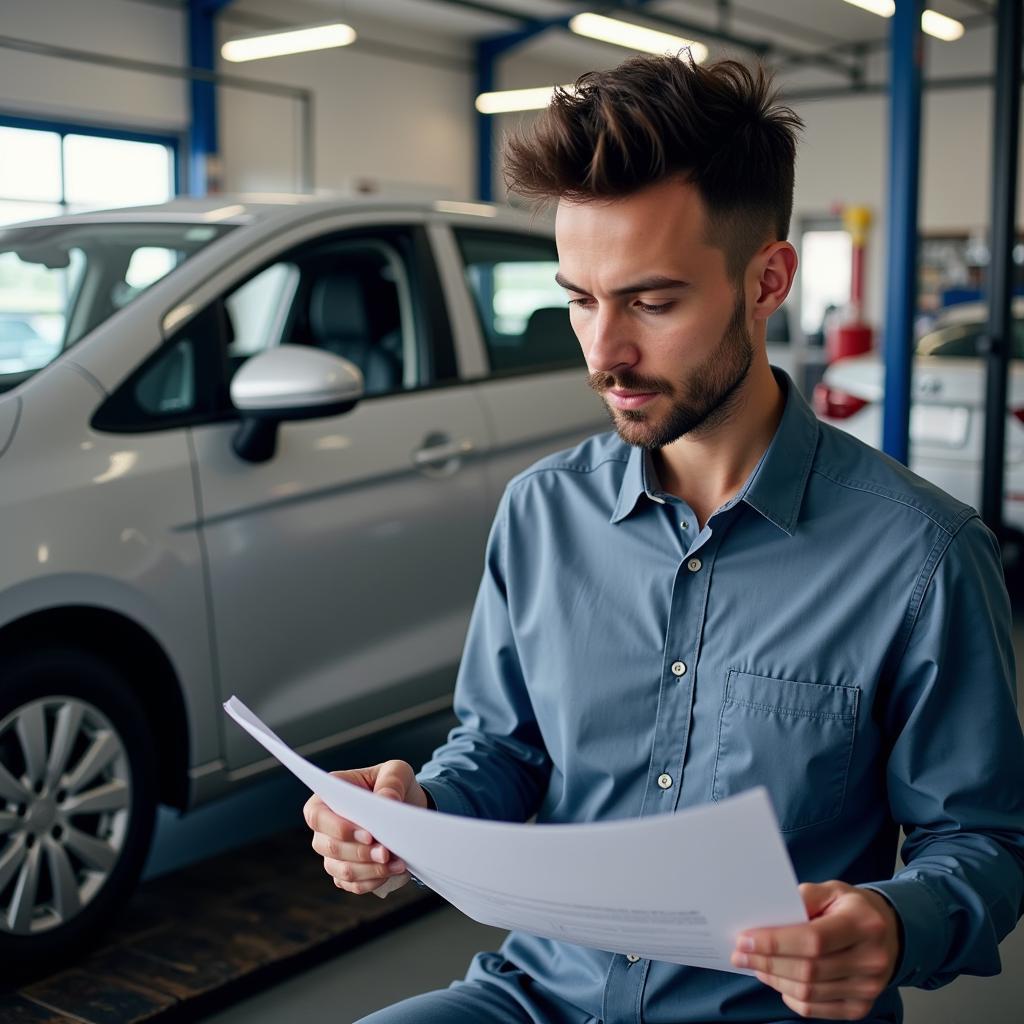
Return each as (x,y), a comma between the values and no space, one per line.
(683,525)
(665,781)
(678,668)
(632,958)
(693,565)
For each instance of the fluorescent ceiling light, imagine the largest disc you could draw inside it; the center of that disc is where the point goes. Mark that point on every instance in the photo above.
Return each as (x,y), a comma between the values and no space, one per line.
(635,37)
(277,44)
(932,23)
(884,8)
(940,26)
(517,99)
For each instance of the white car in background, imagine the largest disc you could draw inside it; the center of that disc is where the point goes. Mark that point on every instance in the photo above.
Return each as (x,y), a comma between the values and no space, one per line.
(947,413)
(264,462)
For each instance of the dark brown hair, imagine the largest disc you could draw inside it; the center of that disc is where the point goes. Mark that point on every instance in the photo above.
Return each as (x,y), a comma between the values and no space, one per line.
(651,118)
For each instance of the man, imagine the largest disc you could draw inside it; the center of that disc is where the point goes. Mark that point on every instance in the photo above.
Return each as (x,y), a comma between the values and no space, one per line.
(721,593)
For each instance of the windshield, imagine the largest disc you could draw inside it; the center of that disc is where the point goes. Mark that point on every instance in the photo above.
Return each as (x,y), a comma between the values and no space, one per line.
(963,341)
(59,281)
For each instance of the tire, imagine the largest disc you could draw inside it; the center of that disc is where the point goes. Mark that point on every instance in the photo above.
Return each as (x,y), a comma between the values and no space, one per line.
(89,819)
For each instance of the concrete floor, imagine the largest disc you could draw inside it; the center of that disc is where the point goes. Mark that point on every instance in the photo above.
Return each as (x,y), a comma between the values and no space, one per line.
(429,952)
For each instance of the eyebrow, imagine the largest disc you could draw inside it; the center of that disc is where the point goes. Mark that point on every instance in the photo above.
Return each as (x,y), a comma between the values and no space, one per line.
(648,284)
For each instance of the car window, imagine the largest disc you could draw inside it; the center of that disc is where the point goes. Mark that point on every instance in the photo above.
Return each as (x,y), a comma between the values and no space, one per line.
(963,341)
(373,300)
(353,297)
(523,313)
(178,385)
(60,281)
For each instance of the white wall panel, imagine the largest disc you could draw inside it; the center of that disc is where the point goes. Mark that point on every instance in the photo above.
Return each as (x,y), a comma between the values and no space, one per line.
(51,87)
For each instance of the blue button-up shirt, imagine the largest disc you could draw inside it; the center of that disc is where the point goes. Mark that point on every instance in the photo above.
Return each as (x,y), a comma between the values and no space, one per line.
(838,632)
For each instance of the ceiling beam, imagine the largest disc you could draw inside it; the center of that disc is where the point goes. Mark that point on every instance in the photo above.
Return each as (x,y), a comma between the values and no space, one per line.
(529,28)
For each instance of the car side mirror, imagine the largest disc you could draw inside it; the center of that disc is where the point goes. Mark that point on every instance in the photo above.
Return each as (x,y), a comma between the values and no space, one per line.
(289,382)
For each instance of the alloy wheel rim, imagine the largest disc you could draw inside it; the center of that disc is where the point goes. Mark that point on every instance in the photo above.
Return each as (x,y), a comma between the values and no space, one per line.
(65,806)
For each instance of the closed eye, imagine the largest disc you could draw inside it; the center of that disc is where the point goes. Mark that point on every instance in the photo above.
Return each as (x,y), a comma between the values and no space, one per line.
(663,307)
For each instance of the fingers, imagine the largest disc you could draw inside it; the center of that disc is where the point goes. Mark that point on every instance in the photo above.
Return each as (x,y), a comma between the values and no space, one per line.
(860,961)
(830,933)
(818,895)
(351,857)
(862,989)
(845,1009)
(320,818)
(835,966)
(358,853)
(360,878)
(393,780)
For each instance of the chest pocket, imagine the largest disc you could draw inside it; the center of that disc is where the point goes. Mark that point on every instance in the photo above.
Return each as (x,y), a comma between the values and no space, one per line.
(793,738)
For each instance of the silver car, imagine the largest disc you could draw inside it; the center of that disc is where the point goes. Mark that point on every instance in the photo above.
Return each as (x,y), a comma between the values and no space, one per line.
(263,463)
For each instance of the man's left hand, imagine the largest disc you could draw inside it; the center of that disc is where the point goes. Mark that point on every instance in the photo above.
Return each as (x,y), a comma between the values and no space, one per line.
(837,964)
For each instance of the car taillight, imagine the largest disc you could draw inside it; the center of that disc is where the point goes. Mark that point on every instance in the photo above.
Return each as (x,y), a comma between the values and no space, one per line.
(1019,413)
(836,404)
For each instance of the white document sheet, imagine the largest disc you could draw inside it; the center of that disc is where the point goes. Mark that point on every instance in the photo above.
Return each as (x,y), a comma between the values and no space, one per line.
(673,887)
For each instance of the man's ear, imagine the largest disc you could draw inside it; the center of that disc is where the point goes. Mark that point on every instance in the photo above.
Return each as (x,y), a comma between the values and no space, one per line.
(775,267)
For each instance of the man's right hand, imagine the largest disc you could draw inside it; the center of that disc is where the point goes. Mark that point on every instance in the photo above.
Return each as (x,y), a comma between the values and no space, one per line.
(351,857)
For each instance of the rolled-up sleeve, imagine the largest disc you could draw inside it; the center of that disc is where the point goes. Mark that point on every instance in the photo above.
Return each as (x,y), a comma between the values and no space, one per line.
(494,764)
(955,770)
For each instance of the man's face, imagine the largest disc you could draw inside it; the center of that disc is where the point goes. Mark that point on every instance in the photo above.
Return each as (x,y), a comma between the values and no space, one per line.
(661,325)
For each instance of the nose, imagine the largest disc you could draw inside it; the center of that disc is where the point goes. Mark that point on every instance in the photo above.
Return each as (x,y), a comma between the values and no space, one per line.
(609,346)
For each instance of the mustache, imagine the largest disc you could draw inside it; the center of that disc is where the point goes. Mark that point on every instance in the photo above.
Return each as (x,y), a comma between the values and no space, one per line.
(602,381)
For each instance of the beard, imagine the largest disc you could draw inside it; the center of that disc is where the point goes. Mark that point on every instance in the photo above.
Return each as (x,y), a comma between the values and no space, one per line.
(701,402)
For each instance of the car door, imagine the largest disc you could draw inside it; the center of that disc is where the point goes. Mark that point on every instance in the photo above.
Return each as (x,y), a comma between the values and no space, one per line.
(532,378)
(342,571)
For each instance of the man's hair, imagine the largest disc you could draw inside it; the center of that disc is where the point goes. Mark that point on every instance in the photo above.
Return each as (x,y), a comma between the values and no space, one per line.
(651,118)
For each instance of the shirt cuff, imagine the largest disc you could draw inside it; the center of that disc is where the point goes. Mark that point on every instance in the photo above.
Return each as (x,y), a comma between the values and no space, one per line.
(923,924)
(445,796)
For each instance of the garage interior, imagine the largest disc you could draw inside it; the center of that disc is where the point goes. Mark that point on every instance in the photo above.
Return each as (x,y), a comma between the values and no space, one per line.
(907,186)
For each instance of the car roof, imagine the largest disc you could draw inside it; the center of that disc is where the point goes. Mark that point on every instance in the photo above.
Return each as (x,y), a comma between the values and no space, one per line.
(971,313)
(251,208)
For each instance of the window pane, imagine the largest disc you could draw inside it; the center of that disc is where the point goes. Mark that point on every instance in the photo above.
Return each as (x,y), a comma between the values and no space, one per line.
(349,297)
(825,268)
(258,309)
(523,313)
(29,165)
(168,387)
(33,300)
(114,172)
(12,213)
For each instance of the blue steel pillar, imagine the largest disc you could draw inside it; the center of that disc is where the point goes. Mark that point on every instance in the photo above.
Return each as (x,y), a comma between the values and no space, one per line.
(203,148)
(904,164)
(1002,238)
(485,78)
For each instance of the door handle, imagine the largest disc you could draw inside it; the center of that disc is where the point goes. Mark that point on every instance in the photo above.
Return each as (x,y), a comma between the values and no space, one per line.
(438,454)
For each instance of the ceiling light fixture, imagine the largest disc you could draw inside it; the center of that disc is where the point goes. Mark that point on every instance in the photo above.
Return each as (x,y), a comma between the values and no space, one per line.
(278,44)
(509,100)
(941,27)
(883,8)
(932,23)
(635,37)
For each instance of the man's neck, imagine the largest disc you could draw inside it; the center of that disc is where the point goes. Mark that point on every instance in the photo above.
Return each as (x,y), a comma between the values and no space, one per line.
(706,470)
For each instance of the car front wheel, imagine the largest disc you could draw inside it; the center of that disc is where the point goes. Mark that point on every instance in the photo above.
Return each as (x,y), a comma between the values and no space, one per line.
(77,801)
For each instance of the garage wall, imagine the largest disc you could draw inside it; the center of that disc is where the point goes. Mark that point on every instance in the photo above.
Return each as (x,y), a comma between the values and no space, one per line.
(397,115)
(36,86)
(398,112)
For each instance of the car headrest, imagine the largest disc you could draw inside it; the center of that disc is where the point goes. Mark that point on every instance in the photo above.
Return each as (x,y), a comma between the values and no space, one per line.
(337,309)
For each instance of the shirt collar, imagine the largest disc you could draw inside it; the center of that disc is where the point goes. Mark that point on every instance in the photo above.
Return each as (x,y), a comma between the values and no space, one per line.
(776,487)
